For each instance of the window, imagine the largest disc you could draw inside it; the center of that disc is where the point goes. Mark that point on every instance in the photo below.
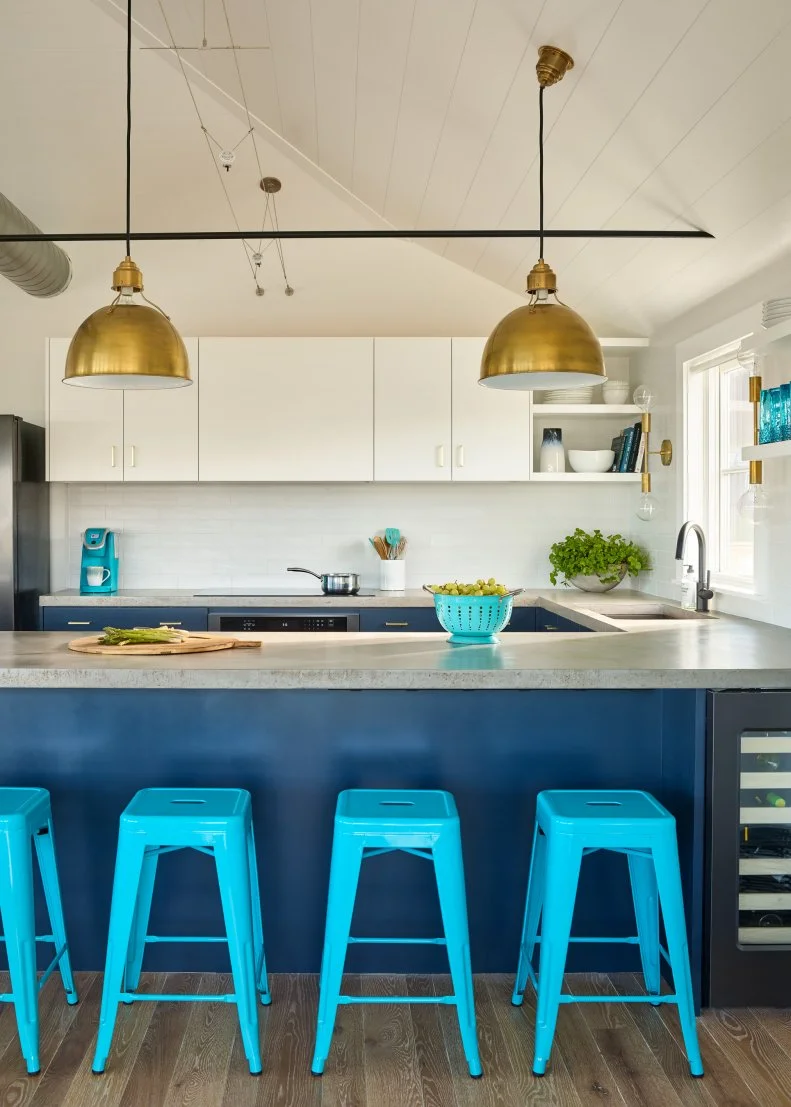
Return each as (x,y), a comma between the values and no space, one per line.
(718,423)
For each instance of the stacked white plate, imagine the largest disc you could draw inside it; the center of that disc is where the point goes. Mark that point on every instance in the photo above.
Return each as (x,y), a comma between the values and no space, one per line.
(775,311)
(582,395)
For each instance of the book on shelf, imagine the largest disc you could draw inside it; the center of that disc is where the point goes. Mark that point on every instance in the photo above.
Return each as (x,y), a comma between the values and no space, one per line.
(638,464)
(628,438)
(617,448)
(636,440)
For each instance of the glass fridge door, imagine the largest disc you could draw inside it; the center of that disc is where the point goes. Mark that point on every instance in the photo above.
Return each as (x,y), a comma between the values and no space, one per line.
(765,838)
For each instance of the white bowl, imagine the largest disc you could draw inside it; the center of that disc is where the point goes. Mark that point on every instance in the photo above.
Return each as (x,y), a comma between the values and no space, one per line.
(615,392)
(591,461)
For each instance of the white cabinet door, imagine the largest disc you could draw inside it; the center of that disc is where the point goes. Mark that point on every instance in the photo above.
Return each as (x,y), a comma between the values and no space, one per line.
(412,431)
(491,427)
(85,426)
(286,409)
(161,429)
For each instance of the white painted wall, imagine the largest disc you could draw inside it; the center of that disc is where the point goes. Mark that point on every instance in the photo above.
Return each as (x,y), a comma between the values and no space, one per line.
(239,536)
(726,318)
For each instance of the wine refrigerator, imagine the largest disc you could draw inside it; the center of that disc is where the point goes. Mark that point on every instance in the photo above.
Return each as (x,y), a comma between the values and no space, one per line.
(748,910)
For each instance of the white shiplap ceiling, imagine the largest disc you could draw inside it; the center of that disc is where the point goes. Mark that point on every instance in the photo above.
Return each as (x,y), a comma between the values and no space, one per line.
(677,113)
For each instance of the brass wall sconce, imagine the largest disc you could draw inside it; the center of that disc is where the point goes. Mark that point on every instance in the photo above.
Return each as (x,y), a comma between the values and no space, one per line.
(754,505)
(648,506)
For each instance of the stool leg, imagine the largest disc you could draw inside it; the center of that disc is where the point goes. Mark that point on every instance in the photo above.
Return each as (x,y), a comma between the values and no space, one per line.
(646,911)
(347,853)
(128,867)
(668,878)
(562,875)
(261,982)
(45,851)
(16,905)
(137,940)
(533,904)
(449,871)
(233,873)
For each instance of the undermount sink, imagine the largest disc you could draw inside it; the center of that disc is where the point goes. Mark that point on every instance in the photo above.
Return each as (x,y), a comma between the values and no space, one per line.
(641,612)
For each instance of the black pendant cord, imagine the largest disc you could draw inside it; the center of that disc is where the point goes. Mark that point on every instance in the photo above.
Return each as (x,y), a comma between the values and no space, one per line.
(128,126)
(541,172)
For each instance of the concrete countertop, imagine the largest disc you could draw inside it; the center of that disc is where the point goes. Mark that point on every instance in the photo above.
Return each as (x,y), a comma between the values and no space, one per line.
(680,653)
(412,597)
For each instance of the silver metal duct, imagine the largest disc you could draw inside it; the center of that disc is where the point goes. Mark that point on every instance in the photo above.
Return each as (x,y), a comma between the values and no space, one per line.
(38,268)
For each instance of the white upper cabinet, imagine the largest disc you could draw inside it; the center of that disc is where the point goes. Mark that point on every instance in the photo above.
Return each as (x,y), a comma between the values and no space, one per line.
(286,409)
(491,428)
(85,440)
(412,409)
(161,429)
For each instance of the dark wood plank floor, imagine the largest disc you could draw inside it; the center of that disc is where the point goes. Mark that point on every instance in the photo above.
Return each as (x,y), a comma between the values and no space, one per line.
(387,1055)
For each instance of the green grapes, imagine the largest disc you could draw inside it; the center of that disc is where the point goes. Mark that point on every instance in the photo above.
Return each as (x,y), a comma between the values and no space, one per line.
(481,587)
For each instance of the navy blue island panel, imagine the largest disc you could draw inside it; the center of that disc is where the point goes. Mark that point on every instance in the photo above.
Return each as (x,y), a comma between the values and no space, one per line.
(295,750)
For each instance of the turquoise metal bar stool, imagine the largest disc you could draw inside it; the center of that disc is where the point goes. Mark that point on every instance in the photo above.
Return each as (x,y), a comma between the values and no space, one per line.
(26,818)
(369,822)
(570,825)
(215,821)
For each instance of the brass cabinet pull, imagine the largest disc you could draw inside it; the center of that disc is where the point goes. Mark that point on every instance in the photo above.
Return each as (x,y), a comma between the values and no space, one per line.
(396,624)
(170,623)
(78,623)
(548,627)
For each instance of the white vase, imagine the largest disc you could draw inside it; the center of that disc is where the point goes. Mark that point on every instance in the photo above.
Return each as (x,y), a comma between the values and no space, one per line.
(392,576)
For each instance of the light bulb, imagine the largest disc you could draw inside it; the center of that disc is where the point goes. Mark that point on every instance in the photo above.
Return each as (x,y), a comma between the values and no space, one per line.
(259,291)
(755,506)
(256,258)
(227,158)
(647,507)
(289,290)
(643,398)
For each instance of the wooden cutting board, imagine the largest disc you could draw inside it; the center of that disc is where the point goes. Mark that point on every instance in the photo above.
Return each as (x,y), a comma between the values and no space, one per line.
(195,643)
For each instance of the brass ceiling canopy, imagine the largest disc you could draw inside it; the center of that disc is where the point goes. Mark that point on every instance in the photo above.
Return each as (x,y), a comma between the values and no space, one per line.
(543,344)
(127,344)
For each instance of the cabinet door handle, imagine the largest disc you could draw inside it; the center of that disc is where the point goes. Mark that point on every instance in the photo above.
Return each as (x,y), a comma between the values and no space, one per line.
(548,627)
(459,457)
(396,624)
(170,623)
(112,457)
(131,457)
(441,457)
(78,623)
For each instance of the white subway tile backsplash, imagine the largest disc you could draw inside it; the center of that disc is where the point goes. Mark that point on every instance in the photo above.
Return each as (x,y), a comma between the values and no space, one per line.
(236,536)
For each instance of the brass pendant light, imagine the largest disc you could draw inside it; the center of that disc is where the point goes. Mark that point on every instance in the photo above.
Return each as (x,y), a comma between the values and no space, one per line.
(127,344)
(543,344)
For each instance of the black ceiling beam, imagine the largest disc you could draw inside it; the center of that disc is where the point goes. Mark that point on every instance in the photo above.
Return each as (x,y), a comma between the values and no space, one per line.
(285,236)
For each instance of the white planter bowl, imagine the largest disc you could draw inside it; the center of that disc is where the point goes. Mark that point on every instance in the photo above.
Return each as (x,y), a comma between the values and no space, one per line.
(594,584)
(591,461)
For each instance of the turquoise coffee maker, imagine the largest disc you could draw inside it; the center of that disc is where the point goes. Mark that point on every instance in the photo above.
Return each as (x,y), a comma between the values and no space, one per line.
(99,568)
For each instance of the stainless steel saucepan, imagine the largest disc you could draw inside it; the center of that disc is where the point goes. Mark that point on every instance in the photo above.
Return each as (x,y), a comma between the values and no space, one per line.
(335,584)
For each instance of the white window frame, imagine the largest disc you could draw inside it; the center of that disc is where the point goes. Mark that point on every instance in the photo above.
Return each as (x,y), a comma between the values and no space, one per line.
(722,358)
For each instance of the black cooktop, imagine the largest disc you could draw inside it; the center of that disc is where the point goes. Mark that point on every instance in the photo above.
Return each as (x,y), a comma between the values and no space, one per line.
(278,593)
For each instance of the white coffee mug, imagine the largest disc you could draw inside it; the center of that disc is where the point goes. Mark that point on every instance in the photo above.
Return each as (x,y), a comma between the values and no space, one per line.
(96,575)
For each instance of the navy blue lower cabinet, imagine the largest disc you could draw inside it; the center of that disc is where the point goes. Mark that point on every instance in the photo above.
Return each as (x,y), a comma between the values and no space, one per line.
(411,619)
(404,619)
(88,620)
(548,621)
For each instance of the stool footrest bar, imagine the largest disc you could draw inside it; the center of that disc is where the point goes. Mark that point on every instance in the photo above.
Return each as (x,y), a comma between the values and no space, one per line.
(450,1000)
(606,941)
(176,997)
(185,938)
(399,941)
(39,938)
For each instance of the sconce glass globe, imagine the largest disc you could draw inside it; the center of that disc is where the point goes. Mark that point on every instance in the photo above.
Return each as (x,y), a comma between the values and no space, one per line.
(647,507)
(755,506)
(643,398)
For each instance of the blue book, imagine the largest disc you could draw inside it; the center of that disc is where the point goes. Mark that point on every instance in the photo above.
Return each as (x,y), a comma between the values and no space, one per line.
(628,438)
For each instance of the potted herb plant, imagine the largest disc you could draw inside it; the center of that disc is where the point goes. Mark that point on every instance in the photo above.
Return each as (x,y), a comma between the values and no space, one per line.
(596,562)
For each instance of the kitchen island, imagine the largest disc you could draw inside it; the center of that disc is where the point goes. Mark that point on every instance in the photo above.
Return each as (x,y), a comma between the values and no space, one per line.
(308,715)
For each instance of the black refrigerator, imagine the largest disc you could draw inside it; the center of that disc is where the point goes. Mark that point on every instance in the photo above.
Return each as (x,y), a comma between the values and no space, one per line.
(24,523)
(748,909)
